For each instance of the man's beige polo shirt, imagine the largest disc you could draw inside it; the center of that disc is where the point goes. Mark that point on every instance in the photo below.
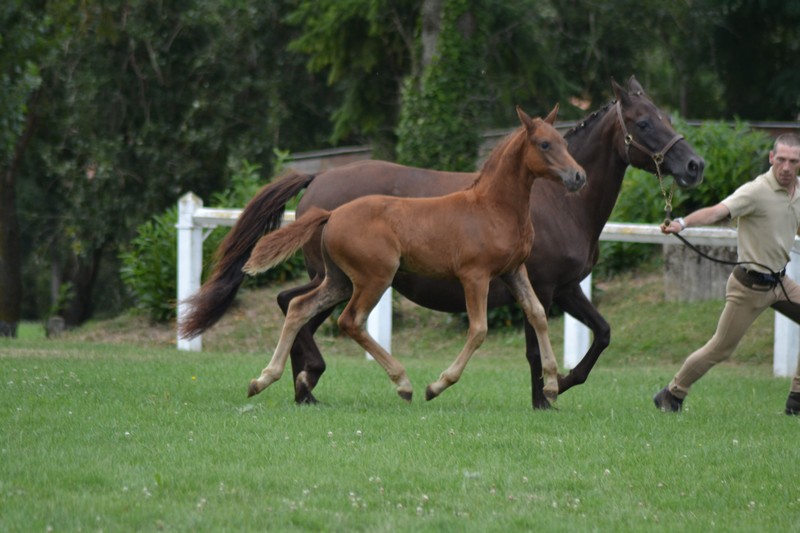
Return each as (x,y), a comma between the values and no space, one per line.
(768,221)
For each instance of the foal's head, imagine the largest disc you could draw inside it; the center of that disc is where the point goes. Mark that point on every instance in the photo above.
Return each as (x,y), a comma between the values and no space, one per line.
(545,151)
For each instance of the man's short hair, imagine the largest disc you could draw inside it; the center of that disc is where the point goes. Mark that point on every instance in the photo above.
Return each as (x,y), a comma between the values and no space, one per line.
(787,139)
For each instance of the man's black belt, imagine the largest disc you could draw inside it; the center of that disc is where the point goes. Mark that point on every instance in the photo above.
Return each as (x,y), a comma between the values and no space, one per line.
(749,278)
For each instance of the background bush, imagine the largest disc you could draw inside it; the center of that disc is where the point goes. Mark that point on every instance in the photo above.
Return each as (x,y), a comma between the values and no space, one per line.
(150,261)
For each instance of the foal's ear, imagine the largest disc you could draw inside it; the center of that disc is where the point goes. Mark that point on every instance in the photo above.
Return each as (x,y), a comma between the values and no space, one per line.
(551,118)
(526,120)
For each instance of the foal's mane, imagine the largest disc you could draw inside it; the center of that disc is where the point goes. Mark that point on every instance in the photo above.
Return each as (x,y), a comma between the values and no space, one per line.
(508,146)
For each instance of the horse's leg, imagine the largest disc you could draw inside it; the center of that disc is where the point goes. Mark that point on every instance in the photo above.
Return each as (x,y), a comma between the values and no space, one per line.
(305,349)
(532,354)
(534,358)
(353,320)
(521,288)
(307,362)
(476,292)
(578,305)
(301,309)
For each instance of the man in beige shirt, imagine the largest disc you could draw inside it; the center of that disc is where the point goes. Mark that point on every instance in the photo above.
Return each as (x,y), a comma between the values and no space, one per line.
(768,213)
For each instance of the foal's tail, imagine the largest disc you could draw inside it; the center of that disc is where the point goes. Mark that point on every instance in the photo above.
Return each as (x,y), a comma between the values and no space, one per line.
(263,214)
(276,247)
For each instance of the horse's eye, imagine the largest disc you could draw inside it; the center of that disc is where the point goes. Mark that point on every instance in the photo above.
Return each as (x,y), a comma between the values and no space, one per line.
(643,124)
(545,145)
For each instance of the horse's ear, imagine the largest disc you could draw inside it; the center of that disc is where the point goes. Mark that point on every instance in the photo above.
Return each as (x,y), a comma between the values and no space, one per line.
(551,118)
(620,94)
(525,119)
(634,86)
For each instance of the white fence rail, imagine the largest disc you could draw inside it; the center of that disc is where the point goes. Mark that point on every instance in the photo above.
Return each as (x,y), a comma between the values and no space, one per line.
(196,221)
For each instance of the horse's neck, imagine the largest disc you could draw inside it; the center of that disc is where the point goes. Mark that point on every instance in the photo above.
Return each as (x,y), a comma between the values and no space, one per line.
(593,147)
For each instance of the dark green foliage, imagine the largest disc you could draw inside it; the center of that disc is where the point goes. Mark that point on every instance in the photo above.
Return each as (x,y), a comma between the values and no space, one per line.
(138,102)
(149,266)
(143,102)
(440,123)
(364,47)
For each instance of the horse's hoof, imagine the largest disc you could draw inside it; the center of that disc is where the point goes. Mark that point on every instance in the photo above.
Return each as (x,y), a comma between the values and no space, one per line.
(542,405)
(253,389)
(306,399)
(405,395)
(302,390)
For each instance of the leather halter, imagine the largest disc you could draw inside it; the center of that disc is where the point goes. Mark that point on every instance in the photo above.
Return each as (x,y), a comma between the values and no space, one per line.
(657,157)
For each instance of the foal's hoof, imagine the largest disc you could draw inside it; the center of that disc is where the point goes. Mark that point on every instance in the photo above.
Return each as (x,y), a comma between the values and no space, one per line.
(405,395)
(551,397)
(253,389)
(430,393)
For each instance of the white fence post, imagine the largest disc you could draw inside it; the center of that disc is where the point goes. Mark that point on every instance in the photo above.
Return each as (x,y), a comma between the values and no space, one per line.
(576,335)
(190,261)
(379,322)
(787,335)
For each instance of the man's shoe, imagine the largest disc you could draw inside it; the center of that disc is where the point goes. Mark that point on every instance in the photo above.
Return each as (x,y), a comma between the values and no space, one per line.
(667,402)
(793,403)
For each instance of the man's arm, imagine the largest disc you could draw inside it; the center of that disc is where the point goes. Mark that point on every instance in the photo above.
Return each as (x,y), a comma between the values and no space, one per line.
(702,217)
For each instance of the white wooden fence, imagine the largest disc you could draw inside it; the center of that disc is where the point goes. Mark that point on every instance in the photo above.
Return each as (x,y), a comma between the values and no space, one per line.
(196,221)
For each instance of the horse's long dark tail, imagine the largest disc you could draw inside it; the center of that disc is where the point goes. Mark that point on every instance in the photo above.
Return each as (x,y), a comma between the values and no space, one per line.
(262,214)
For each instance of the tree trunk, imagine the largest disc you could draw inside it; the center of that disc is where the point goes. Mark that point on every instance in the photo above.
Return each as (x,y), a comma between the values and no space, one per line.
(10,260)
(431,28)
(81,274)
(10,266)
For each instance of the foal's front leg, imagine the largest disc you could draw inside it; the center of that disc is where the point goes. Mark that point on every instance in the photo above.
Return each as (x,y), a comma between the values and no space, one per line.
(520,286)
(476,292)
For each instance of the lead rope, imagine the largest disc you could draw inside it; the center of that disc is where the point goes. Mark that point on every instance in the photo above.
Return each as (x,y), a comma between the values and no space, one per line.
(658,159)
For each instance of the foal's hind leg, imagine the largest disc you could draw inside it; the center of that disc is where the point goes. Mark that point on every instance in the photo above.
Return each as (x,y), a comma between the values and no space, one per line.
(520,287)
(332,291)
(476,292)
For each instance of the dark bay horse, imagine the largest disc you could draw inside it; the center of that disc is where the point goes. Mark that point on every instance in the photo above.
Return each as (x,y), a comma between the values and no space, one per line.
(471,236)
(631,130)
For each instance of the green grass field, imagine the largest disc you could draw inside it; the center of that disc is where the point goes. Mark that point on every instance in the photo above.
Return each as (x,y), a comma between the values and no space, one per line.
(136,436)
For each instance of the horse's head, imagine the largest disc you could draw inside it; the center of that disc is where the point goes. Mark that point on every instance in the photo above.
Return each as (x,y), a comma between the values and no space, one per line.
(546,153)
(648,140)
